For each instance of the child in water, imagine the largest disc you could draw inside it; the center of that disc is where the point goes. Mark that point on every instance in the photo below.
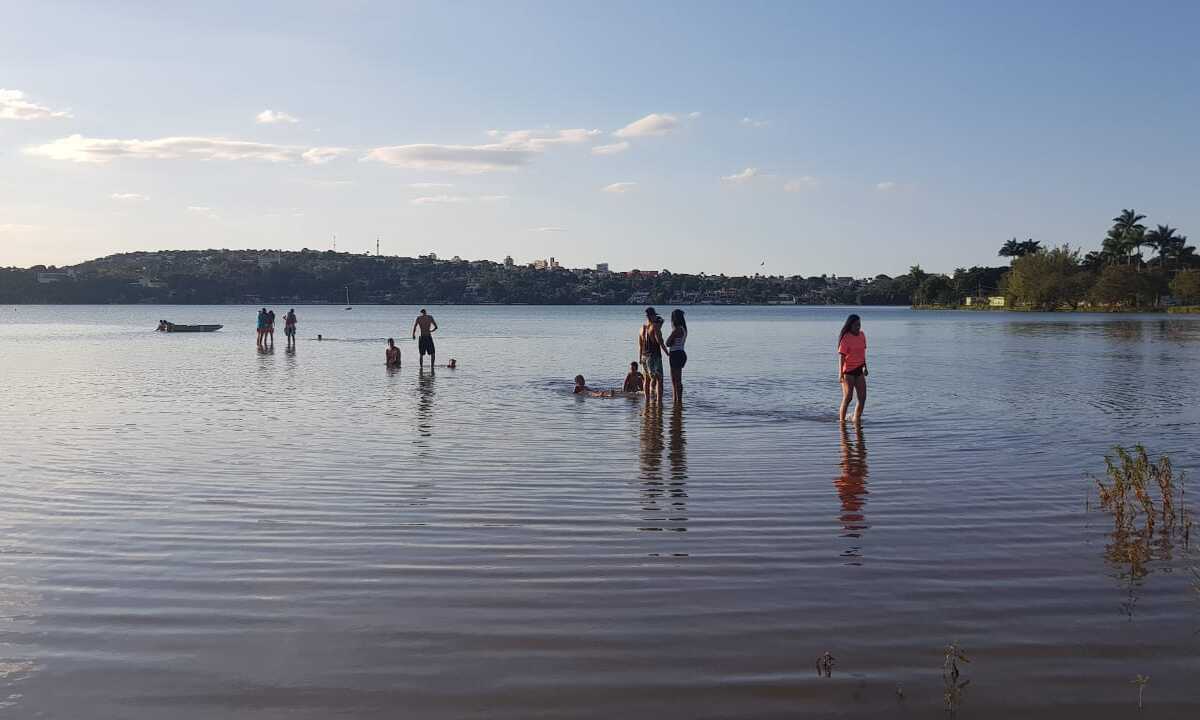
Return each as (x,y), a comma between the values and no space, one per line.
(852,367)
(581,388)
(393,354)
(634,380)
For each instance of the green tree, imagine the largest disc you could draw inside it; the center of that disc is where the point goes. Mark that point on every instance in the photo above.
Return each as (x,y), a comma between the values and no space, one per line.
(935,290)
(1015,249)
(1047,280)
(1161,239)
(1120,286)
(1126,236)
(1186,287)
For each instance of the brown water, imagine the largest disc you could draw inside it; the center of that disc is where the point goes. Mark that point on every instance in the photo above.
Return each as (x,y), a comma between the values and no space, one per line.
(192,529)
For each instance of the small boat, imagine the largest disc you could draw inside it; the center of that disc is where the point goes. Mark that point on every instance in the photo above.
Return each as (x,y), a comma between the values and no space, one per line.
(165,326)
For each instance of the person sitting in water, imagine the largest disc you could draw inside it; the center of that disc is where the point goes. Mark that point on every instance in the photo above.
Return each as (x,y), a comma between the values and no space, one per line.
(581,388)
(634,380)
(393,354)
(453,364)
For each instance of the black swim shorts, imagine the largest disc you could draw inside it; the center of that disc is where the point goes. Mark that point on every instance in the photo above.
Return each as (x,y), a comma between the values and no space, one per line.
(425,345)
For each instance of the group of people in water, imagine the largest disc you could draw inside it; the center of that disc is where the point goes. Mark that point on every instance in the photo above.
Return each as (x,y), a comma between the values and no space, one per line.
(646,380)
(651,346)
(266,328)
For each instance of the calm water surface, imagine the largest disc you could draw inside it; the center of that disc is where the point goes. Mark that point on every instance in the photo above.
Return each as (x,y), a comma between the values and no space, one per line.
(194,529)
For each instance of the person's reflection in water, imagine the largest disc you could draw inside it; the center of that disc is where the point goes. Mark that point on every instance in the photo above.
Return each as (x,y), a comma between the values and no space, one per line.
(852,491)
(664,499)
(424,409)
(677,458)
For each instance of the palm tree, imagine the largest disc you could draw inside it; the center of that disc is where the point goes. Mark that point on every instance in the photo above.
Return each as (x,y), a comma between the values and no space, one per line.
(1014,249)
(1127,234)
(1162,240)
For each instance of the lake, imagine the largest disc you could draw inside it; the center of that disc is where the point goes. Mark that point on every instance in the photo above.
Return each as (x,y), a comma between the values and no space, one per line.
(193,529)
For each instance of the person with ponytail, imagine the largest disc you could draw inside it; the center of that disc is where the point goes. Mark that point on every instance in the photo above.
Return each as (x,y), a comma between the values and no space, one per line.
(852,367)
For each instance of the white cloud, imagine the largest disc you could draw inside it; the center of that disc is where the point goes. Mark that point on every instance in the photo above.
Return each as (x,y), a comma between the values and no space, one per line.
(14,106)
(801,183)
(751,122)
(539,140)
(202,210)
(272,117)
(619,187)
(429,185)
(493,198)
(744,176)
(652,124)
(512,149)
(461,159)
(886,186)
(548,228)
(694,115)
(612,149)
(78,148)
(322,155)
(439,200)
(17,228)
(129,197)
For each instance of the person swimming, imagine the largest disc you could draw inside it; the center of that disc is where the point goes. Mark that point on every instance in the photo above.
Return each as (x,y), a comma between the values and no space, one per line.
(852,367)
(581,388)
(393,354)
(634,380)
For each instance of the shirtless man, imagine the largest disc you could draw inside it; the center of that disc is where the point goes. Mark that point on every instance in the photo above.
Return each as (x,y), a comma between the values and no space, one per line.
(427,326)
(650,345)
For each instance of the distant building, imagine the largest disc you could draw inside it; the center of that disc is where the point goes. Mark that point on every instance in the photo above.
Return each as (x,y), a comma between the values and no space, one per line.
(539,265)
(553,264)
(602,267)
(430,256)
(456,259)
(508,261)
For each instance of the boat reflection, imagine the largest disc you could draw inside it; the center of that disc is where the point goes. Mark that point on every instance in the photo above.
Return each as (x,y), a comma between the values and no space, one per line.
(851,487)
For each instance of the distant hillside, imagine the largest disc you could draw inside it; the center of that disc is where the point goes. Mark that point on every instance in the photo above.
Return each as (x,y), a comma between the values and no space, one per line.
(312,277)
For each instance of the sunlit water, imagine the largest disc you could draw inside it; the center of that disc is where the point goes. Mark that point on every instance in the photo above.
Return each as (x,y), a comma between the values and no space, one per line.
(192,529)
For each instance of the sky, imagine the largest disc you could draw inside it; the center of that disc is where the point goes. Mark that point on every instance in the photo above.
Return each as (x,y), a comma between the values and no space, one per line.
(851,138)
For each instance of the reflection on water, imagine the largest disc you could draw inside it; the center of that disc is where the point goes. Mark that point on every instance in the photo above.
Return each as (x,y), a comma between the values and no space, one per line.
(851,487)
(664,498)
(425,382)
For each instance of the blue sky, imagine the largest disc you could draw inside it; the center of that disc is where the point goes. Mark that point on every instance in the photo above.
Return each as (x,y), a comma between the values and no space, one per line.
(848,138)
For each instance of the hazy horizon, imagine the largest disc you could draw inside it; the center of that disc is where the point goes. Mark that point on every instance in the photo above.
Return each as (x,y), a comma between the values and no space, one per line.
(787,139)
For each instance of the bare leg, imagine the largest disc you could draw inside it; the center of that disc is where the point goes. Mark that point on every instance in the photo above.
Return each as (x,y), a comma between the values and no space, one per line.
(677,385)
(847,393)
(647,381)
(860,383)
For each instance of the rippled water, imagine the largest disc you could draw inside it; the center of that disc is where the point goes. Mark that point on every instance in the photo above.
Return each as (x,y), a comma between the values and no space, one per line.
(193,529)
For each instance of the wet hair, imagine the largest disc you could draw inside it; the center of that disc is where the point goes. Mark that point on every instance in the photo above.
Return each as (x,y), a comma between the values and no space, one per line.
(391,341)
(633,365)
(658,319)
(677,319)
(651,313)
(579,380)
(854,318)
(422,311)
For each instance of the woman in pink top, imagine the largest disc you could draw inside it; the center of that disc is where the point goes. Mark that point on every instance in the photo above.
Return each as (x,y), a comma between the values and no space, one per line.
(852,367)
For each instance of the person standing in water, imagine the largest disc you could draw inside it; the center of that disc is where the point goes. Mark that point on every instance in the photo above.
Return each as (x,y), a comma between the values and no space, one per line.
(393,354)
(289,327)
(262,327)
(852,367)
(427,325)
(650,345)
(675,353)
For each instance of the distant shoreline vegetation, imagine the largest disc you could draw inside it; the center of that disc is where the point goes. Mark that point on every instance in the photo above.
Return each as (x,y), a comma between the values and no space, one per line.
(1116,278)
